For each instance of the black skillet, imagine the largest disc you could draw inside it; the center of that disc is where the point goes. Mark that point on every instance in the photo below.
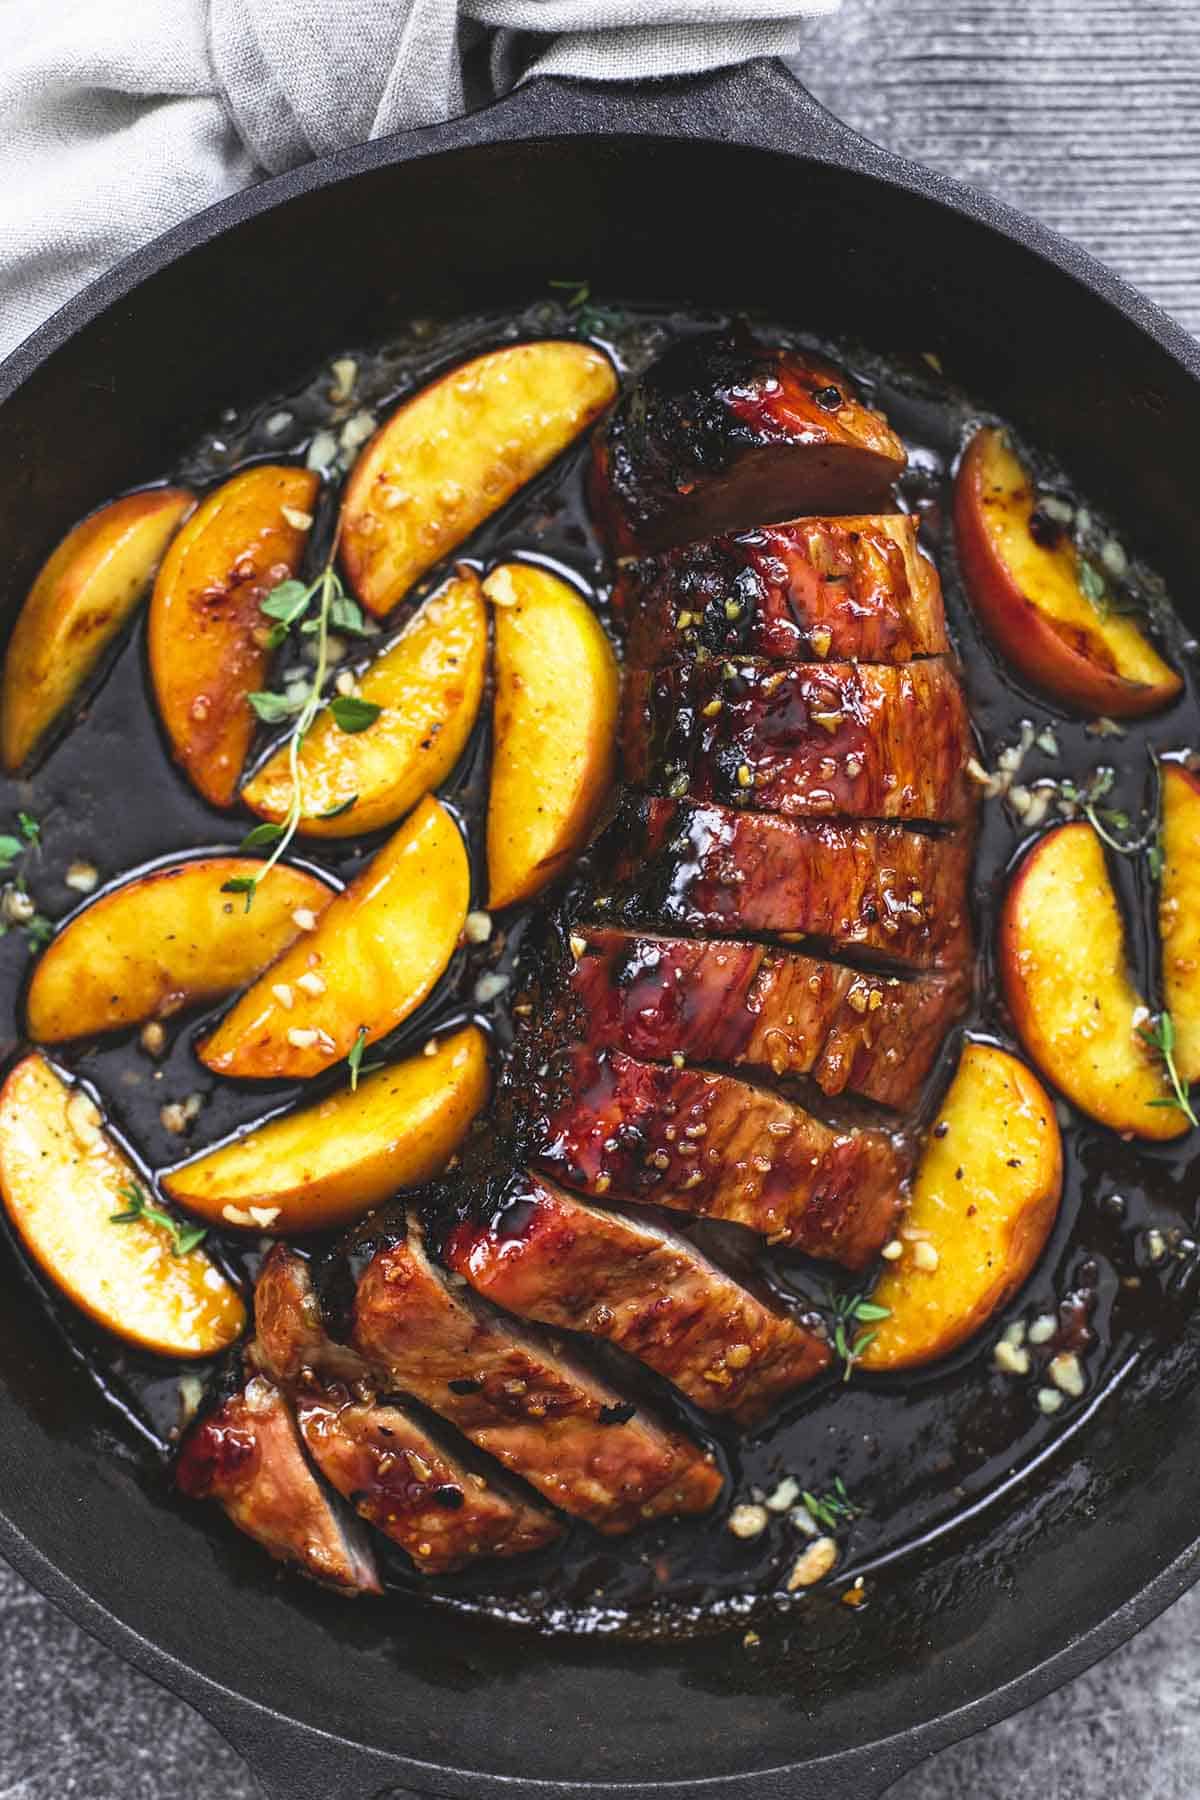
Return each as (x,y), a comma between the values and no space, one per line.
(735,190)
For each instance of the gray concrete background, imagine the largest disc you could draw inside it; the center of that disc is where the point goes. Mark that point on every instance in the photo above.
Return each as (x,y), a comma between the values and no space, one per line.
(1086,113)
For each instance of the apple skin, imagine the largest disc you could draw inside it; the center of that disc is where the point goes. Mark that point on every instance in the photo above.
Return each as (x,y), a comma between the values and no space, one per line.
(83,595)
(165,940)
(985,1198)
(62,1178)
(456,451)
(207,636)
(557,695)
(1179,913)
(1092,666)
(1063,970)
(330,1163)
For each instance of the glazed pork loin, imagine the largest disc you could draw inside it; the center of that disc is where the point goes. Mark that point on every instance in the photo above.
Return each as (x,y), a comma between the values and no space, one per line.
(776,914)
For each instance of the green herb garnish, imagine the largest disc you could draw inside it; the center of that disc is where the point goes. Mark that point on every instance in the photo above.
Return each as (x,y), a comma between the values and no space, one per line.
(1104,820)
(832,1509)
(10,849)
(1161,1038)
(183,1237)
(847,1313)
(352,714)
(31,831)
(577,293)
(288,604)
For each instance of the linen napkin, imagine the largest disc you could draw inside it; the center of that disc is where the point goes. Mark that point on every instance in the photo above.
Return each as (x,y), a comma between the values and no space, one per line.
(121,118)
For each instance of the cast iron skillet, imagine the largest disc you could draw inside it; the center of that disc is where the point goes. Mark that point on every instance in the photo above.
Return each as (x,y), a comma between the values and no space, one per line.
(738,190)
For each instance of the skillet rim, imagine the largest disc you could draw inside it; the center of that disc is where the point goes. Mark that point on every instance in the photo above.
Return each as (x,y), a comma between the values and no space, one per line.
(757,106)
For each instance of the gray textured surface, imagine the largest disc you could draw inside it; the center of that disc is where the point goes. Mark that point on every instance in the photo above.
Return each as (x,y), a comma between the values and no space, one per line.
(1084,112)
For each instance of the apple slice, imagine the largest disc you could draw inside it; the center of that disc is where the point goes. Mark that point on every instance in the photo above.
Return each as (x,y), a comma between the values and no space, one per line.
(331,1163)
(82,597)
(164,941)
(1076,1010)
(1179,913)
(62,1181)
(208,637)
(984,1200)
(375,953)
(1028,594)
(428,686)
(459,450)
(557,692)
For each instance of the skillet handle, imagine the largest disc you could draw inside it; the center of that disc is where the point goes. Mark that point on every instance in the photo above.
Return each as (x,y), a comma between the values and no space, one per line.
(291,1762)
(759,104)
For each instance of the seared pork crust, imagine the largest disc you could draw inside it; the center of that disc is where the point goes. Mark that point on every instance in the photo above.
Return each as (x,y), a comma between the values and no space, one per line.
(548,1255)
(714,1146)
(722,434)
(400,1478)
(718,1000)
(247,1456)
(538,1412)
(860,740)
(853,589)
(881,890)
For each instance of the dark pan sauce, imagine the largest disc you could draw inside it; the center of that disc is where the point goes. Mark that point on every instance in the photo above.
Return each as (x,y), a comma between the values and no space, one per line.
(916,1452)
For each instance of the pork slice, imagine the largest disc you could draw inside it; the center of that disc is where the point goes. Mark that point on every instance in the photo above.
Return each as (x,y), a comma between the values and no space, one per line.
(539,1413)
(609,1125)
(859,740)
(444,1514)
(247,1456)
(720,1000)
(879,890)
(852,589)
(548,1255)
(723,433)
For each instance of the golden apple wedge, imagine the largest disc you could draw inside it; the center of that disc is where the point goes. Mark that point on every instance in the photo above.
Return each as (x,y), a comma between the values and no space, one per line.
(456,452)
(1029,598)
(163,941)
(428,686)
(1179,913)
(557,694)
(332,1162)
(208,636)
(374,954)
(1076,1010)
(81,598)
(984,1201)
(62,1180)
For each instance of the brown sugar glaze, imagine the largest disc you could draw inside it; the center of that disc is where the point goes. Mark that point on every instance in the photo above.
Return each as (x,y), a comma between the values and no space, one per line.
(913,1451)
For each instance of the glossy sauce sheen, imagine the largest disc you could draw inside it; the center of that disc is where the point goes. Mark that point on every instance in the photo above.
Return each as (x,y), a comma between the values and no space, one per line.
(912,1451)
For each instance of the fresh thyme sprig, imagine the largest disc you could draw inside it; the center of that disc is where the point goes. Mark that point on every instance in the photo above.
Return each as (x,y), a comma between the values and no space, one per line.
(1160,1036)
(290,606)
(577,298)
(183,1237)
(1104,820)
(847,1313)
(832,1509)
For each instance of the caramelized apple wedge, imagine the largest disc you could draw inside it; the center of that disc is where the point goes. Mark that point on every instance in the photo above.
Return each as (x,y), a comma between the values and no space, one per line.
(208,637)
(1179,913)
(63,1180)
(332,1162)
(1076,1010)
(456,452)
(557,693)
(371,958)
(427,686)
(166,940)
(985,1198)
(1030,596)
(81,598)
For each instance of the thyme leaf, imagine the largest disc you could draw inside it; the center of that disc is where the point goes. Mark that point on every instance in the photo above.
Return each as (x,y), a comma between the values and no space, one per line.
(1160,1036)
(351,714)
(848,1313)
(832,1509)
(183,1237)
